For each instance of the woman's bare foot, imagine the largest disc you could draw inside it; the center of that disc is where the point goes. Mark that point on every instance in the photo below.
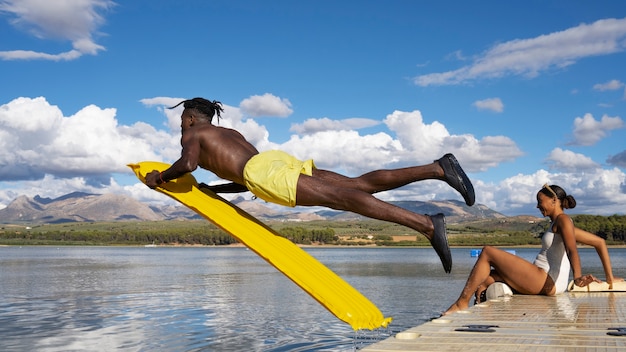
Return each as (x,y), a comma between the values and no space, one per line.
(454,308)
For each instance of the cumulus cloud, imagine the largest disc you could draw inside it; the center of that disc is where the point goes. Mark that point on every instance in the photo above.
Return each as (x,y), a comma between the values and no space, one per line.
(325,124)
(491,104)
(414,134)
(610,85)
(589,131)
(266,105)
(597,192)
(75,21)
(428,141)
(566,160)
(529,57)
(618,159)
(345,151)
(162,104)
(43,152)
(37,140)
(408,141)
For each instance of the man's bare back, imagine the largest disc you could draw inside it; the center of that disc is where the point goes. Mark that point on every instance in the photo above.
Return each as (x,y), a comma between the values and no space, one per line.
(223,151)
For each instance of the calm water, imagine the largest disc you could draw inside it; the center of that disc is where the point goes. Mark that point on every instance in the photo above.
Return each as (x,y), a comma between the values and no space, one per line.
(215,299)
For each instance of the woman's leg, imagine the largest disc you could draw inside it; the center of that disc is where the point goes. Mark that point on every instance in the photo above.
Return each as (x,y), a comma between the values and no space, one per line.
(521,275)
(483,287)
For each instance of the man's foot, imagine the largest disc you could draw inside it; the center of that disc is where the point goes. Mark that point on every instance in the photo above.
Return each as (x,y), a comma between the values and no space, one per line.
(439,241)
(456,178)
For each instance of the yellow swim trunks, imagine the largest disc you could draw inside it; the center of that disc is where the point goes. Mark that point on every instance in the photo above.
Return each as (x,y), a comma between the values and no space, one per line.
(273,176)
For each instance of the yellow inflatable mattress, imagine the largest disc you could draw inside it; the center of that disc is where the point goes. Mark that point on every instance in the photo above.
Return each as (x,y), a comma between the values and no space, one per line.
(341,299)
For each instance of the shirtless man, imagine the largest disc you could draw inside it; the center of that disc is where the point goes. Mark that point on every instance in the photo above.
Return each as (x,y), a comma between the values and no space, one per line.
(277,177)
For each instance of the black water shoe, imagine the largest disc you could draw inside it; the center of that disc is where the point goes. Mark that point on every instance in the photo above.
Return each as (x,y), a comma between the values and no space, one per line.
(456,178)
(440,241)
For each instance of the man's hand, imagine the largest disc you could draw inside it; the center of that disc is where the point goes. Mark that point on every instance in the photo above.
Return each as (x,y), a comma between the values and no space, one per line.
(153,179)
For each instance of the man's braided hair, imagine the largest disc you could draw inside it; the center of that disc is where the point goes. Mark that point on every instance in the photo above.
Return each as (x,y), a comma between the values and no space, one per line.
(206,107)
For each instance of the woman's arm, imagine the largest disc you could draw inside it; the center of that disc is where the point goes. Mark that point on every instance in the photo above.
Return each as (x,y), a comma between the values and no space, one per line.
(599,244)
(565,227)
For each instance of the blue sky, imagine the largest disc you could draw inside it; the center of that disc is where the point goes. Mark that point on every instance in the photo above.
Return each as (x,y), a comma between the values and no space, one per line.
(522,92)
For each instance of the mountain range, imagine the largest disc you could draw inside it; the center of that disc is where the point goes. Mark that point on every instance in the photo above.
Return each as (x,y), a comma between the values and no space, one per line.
(86,207)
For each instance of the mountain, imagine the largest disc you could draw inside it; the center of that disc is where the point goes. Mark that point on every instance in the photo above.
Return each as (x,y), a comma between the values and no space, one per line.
(76,207)
(79,207)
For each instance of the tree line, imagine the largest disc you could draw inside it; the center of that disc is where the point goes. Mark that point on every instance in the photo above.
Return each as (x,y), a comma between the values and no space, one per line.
(611,228)
(164,236)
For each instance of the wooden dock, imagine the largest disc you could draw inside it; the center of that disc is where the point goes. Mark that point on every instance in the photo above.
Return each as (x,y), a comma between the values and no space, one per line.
(573,321)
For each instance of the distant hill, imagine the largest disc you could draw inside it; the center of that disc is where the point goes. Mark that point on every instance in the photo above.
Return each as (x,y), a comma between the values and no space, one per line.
(76,207)
(85,207)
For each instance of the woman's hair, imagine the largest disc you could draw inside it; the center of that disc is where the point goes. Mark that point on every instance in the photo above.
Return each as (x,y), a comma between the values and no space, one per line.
(205,107)
(554,191)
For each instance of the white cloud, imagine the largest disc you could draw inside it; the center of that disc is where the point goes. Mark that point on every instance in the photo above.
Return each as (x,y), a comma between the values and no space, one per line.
(345,151)
(610,85)
(528,57)
(43,152)
(415,135)
(409,141)
(589,131)
(485,153)
(325,124)
(597,192)
(38,140)
(266,105)
(162,104)
(75,21)
(424,142)
(566,160)
(491,104)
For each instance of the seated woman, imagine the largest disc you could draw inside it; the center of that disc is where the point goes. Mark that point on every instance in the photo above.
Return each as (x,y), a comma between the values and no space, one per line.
(549,274)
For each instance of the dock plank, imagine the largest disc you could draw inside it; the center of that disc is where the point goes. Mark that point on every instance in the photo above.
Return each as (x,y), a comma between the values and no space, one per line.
(573,321)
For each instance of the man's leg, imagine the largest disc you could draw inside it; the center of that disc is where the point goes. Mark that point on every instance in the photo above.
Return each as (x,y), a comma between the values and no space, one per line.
(314,191)
(446,169)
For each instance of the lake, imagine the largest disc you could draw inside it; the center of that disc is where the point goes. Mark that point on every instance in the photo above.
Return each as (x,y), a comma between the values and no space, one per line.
(216,298)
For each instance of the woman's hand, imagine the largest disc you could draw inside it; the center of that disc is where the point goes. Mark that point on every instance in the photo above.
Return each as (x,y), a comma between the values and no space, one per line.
(585,280)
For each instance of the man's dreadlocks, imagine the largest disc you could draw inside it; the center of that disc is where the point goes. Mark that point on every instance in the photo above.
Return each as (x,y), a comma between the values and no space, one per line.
(205,107)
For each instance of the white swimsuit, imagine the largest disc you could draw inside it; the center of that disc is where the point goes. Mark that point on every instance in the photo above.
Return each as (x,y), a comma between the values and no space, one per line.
(553,259)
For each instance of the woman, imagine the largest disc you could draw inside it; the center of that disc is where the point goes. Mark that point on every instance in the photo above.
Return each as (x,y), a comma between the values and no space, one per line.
(549,274)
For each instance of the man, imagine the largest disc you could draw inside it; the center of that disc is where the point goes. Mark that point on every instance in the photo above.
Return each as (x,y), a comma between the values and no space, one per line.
(280,178)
